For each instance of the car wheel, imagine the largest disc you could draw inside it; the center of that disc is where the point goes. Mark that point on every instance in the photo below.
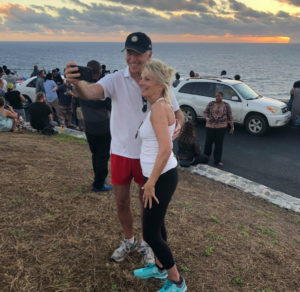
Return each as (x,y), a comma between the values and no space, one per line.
(189,113)
(256,124)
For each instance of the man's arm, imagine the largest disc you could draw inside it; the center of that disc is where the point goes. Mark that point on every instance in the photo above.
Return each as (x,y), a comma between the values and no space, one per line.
(180,117)
(82,88)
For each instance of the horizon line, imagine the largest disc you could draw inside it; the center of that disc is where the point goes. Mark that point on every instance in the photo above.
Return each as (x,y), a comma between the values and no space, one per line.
(170,42)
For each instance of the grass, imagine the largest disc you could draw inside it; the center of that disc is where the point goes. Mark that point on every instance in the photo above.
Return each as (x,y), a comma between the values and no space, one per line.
(56,235)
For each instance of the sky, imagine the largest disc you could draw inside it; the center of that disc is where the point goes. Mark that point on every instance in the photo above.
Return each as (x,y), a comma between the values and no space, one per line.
(253,21)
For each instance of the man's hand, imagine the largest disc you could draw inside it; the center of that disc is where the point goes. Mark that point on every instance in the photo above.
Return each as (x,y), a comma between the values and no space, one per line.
(177,130)
(70,73)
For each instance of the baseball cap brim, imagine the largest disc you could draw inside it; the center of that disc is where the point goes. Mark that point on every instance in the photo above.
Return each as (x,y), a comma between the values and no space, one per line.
(139,50)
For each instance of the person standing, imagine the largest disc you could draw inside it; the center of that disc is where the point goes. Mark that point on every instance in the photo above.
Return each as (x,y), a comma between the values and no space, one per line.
(39,84)
(218,115)
(129,109)
(51,97)
(35,71)
(159,167)
(64,93)
(96,120)
(177,79)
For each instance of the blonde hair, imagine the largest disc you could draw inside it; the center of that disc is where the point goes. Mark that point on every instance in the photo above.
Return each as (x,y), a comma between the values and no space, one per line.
(162,74)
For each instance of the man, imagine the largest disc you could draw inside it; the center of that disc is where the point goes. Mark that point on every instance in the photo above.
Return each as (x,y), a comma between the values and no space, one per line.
(64,93)
(40,113)
(39,85)
(177,80)
(35,71)
(56,77)
(129,110)
(96,120)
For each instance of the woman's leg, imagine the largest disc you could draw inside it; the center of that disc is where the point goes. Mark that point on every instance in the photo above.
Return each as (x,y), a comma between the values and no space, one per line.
(219,138)
(208,141)
(154,232)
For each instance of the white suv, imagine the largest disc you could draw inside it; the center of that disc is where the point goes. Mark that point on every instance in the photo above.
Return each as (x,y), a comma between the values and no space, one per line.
(256,112)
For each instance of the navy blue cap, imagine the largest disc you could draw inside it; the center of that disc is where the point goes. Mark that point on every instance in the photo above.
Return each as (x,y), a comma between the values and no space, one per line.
(138,41)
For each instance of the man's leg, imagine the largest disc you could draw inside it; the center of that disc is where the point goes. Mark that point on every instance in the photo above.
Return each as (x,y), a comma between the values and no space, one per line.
(128,244)
(99,146)
(124,211)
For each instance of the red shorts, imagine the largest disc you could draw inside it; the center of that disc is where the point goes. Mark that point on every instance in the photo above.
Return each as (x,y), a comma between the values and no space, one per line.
(123,169)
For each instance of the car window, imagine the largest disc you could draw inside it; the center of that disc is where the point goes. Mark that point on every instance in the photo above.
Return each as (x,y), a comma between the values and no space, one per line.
(31,83)
(245,91)
(188,88)
(199,88)
(227,91)
(204,89)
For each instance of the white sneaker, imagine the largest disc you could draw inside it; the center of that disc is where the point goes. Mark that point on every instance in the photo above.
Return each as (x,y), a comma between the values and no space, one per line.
(123,250)
(146,253)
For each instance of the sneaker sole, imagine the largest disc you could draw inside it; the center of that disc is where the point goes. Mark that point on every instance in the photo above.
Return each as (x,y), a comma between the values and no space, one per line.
(121,259)
(163,277)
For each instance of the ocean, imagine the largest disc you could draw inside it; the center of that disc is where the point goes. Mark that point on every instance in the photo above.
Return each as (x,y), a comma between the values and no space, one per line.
(270,69)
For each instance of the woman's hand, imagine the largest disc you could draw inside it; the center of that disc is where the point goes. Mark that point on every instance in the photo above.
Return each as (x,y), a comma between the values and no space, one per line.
(231,130)
(149,194)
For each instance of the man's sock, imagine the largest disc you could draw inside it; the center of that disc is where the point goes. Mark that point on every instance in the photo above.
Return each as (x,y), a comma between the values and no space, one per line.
(131,240)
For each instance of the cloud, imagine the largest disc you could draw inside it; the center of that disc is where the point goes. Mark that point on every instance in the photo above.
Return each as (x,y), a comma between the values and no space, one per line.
(227,18)
(291,2)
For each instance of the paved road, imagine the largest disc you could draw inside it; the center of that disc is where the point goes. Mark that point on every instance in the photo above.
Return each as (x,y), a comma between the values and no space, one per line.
(272,160)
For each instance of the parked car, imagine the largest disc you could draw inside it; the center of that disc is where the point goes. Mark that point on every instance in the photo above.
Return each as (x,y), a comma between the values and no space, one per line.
(27,88)
(254,111)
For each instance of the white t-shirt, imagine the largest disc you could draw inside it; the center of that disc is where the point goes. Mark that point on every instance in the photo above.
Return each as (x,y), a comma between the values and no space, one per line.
(126,114)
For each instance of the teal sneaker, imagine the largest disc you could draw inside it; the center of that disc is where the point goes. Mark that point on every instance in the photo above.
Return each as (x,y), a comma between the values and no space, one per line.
(150,271)
(172,287)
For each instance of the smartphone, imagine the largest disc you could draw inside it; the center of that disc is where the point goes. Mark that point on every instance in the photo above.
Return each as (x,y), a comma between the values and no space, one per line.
(85,73)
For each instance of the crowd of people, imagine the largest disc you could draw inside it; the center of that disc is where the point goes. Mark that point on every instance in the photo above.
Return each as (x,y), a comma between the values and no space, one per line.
(130,117)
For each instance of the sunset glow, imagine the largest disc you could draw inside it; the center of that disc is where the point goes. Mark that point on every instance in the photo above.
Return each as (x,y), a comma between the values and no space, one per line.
(256,21)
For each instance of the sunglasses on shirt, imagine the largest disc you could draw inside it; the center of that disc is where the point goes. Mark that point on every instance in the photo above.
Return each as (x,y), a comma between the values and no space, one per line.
(144,108)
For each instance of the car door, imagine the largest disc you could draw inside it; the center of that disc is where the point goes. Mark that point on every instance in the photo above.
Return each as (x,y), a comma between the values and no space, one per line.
(204,94)
(29,89)
(236,106)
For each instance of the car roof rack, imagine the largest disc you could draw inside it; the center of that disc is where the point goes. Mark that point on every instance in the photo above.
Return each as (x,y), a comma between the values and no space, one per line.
(206,77)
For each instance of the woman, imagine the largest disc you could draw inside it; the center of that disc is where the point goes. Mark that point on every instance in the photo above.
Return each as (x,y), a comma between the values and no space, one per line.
(15,99)
(8,118)
(189,152)
(159,168)
(218,115)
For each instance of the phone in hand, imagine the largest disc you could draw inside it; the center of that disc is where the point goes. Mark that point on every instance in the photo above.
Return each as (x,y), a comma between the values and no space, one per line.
(85,73)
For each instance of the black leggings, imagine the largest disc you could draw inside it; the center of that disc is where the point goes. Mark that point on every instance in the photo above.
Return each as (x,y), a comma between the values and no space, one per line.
(154,230)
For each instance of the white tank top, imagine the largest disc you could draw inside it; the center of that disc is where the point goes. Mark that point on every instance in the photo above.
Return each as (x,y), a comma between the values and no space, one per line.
(149,149)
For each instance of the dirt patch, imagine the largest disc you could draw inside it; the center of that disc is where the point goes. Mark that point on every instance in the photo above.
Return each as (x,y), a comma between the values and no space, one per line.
(56,235)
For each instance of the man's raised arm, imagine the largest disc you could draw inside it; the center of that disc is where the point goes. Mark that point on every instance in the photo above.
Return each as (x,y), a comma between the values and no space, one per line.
(82,88)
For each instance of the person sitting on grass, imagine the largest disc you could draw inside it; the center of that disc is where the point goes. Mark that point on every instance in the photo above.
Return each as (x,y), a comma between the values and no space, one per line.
(189,152)
(15,99)
(8,118)
(40,113)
